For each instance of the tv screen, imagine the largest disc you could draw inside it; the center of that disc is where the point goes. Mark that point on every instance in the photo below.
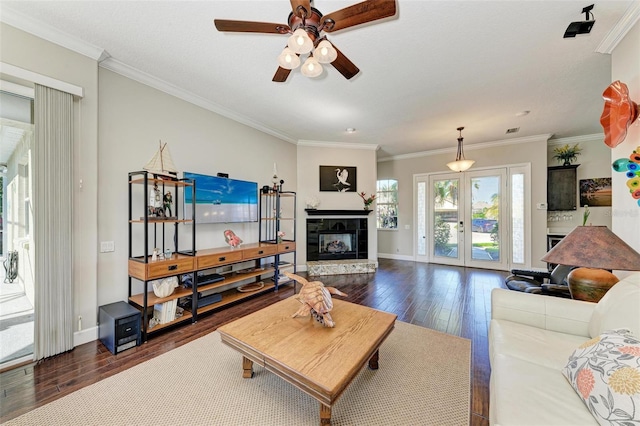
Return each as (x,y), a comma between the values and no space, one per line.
(221,200)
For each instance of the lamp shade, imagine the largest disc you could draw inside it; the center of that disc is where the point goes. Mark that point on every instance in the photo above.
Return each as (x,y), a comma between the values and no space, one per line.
(325,53)
(300,42)
(288,59)
(311,67)
(594,247)
(460,165)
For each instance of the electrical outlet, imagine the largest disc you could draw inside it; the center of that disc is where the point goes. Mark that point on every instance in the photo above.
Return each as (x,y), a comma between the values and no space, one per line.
(541,206)
(106,246)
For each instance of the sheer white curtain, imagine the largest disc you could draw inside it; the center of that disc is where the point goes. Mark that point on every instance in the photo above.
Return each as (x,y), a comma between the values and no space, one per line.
(52,212)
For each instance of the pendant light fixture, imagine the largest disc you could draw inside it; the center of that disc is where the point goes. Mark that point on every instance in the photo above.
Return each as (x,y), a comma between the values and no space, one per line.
(461,164)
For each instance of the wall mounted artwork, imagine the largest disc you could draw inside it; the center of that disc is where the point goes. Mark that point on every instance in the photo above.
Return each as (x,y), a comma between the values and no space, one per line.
(595,192)
(338,179)
(618,114)
(631,168)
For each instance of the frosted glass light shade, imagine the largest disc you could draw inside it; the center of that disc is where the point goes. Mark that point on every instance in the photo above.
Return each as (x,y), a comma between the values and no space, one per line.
(288,59)
(325,53)
(460,165)
(300,42)
(311,67)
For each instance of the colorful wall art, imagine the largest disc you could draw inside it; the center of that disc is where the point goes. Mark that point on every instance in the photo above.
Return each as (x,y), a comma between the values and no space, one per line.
(631,168)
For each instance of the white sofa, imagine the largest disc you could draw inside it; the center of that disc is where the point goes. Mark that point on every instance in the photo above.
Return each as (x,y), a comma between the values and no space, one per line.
(531,337)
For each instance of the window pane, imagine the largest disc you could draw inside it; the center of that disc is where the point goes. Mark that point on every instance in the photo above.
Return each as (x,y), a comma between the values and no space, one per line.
(387,204)
(422,221)
(517,218)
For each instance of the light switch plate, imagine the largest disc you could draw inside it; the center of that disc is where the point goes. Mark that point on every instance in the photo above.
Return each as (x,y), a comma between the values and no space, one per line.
(541,206)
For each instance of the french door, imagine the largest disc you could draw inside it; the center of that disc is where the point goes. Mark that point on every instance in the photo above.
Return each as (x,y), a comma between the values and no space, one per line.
(474,219)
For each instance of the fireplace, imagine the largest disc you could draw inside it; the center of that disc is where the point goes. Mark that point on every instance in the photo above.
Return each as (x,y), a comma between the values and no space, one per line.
(336,239)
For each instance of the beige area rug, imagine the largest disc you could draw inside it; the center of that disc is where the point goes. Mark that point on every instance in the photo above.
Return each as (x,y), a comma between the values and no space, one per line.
(423,379)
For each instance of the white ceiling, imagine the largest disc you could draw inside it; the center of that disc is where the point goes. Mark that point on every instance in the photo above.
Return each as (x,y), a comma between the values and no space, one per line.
(433,67)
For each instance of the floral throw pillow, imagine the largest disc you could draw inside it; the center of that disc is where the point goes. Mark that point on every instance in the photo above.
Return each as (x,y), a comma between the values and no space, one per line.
(605,372)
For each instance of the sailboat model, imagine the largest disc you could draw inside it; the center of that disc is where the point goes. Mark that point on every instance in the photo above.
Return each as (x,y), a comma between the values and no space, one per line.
(161,165)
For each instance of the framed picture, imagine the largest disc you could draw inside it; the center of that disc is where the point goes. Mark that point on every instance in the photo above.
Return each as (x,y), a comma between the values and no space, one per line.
(338,179)
(595,192)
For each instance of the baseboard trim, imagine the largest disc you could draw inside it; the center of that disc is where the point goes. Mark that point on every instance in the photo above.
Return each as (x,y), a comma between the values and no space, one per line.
(85,336)
(396,256)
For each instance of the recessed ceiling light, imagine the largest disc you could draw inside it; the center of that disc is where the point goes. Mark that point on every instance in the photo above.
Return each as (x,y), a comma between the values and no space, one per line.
(522,113)
(351,130)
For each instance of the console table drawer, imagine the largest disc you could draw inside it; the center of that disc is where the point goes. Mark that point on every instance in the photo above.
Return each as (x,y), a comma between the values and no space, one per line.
(286,247)
(169,267)
(219,259)
(252,253)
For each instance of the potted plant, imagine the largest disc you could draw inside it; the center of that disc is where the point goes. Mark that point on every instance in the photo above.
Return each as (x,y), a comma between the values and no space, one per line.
(567,154)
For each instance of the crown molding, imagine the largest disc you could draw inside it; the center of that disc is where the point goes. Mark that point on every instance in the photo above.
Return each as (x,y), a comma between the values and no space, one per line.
(620,30)
(596,137)
(49,33)
(484,145)
(339,145)
(173,90)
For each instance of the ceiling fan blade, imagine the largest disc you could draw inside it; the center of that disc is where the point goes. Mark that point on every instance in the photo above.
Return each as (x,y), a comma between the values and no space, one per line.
(344,65)
(281,75)
(306,4)
(250,27)
(359,13)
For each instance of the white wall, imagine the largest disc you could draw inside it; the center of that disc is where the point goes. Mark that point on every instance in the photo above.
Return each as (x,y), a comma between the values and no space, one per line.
(400,243)
(133,118)
(34,54)
(310,158)
(625,66)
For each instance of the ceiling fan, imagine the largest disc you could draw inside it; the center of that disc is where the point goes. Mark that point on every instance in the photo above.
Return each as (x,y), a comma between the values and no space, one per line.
(307,26)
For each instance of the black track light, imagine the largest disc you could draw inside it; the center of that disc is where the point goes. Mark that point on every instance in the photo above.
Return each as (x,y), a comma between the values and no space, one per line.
(581,27)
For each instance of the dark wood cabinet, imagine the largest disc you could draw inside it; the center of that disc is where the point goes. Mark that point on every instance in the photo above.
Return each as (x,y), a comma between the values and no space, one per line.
(562,188)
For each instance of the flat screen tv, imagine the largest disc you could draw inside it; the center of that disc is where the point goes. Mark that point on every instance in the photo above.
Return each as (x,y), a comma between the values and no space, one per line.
(221,200)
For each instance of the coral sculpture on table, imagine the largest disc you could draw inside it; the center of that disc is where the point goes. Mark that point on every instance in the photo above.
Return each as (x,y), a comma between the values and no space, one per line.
(315,299)
(232,239)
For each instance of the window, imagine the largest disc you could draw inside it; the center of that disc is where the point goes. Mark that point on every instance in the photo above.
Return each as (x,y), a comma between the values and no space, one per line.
(387,207)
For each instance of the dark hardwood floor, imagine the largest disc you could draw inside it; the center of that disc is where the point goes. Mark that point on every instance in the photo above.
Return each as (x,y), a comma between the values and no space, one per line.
(449,299)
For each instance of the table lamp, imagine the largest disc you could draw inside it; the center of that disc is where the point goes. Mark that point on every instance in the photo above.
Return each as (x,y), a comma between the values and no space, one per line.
(596,251)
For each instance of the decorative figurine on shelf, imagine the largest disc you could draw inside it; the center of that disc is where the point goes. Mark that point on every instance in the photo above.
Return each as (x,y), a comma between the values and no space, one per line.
(167,200)
(155,202)
(274,178)
(232,239)
(315,299)
(312,203)
(154,256)
(161,164)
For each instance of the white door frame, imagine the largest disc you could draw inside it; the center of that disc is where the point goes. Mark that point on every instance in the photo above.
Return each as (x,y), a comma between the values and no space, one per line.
(506,219)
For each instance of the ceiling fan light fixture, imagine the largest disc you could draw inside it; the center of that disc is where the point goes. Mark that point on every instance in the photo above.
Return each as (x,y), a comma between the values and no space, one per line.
(461,164)
(288,59)
(311,67)
(300,42)
(325,53)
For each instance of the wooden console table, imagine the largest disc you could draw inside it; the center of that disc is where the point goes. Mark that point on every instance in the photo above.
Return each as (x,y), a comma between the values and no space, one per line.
(180,264)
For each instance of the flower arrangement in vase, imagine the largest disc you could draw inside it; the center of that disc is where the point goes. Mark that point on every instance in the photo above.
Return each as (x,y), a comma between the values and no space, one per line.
(280,236)
(367,200)
(567,154)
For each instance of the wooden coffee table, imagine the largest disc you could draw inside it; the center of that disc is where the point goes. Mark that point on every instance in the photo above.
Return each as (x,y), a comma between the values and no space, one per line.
(318,360)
